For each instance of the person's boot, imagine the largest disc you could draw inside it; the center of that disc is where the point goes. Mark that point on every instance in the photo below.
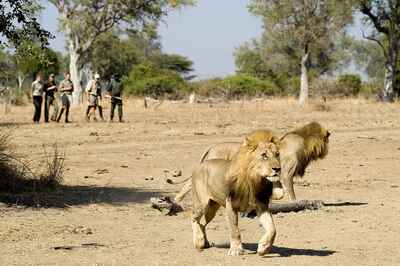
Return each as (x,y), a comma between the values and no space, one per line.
(66,115)
(101,113)
(59,116)
(87,117)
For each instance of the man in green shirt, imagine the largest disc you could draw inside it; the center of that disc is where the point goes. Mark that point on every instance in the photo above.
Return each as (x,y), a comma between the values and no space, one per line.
(115,89)
(37,96)
(66,89)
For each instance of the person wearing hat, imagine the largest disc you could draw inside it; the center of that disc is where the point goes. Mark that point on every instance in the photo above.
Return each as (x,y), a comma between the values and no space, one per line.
(93,92)
(50,88)
(66,89)
(115,89)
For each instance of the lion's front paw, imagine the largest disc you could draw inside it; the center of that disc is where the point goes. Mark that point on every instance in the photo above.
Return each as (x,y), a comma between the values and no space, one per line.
(236,251)
(263,249)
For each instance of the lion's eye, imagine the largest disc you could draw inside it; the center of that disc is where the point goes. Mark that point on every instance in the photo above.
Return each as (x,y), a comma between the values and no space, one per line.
(264,156)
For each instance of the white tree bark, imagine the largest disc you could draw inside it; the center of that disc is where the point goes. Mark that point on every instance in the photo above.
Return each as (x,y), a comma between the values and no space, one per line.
(303,98)
(20,78)
(390,72)
(74,71)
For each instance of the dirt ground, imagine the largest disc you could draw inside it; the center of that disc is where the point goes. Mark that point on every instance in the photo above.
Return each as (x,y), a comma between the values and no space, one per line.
(113,169)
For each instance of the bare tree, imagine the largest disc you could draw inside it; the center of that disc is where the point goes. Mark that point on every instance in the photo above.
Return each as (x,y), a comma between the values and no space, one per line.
(384,15)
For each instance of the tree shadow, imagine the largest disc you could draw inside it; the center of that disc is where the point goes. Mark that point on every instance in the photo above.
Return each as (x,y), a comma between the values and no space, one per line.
(15,124)
(347,203)
(283,251)
(68,196)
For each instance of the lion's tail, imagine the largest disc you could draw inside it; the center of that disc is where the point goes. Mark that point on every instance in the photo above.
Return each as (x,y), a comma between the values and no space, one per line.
(205,155)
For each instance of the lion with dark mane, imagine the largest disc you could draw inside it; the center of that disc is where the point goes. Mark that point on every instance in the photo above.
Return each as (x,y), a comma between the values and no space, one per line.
(243,184)
(297,149)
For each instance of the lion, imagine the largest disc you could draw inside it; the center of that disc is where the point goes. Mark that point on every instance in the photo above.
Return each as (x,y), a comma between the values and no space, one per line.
(297,149)
(243,184)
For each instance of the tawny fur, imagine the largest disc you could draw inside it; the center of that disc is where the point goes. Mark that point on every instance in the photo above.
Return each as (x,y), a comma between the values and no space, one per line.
(241,184)
(297,149)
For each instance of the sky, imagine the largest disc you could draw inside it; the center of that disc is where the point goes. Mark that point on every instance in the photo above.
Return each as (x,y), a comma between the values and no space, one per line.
(207,33)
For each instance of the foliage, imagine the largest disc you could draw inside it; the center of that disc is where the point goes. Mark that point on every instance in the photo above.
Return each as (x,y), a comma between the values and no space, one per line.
(30,59)
(236,86)
(111,54)
(350,83)
(173,62)
(18,22)
(309,31)
(147,79)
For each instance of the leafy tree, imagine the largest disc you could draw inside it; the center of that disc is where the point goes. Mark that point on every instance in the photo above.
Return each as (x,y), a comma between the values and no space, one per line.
(177,63)
(18,22)
(149,79)
(111,54)
(29,58)
(384,16)
(84,21)
(303,30)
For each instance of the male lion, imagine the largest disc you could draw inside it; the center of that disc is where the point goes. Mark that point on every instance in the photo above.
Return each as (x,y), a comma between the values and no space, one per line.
(240,185)
(297,149)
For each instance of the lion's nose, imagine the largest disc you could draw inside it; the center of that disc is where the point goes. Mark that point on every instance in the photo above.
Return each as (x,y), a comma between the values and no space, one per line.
(276,169)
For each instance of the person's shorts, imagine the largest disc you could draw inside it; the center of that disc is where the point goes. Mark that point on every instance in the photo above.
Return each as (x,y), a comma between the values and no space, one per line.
(66,100)
(93,100)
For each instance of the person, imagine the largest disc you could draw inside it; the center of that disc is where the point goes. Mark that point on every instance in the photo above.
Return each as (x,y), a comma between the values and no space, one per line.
(93,91)
(50,88)
(37,96)
(115,90)
(66,89)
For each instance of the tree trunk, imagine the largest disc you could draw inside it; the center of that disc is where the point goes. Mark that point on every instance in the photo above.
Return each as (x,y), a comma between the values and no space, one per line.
(21,79)
(390,72)
(74,70)
(303,98)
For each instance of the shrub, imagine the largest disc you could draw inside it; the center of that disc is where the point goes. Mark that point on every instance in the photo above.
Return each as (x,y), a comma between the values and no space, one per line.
(349,84)
(236,86)
(147,79)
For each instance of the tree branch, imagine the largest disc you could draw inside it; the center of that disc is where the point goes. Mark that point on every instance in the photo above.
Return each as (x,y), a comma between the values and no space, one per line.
(377,41)
(367,10)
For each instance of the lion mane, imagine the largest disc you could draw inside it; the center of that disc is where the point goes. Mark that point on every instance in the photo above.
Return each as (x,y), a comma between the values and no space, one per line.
(315,145)
(246,186)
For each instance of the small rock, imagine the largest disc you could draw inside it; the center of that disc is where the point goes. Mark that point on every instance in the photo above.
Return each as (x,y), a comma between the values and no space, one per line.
(94,134)
(177,173)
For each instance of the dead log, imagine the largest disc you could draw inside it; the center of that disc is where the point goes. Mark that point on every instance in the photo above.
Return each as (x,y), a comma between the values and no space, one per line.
(296,206)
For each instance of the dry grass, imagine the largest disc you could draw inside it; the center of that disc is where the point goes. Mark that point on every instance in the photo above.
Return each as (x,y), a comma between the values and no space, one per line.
(17,177)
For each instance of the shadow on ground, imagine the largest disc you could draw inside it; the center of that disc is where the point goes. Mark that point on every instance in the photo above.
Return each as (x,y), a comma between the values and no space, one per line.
(68,196)
(283,251)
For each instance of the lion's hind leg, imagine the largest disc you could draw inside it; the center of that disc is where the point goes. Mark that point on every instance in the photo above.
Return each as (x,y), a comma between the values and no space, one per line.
(200,240)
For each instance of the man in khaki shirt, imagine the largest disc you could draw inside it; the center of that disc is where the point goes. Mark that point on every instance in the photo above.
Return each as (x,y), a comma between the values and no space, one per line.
(66,89)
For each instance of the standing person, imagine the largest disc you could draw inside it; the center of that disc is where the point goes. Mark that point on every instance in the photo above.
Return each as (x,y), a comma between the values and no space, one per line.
(93,91)
(66,89)
(50,88)
(37,96)
(115,90)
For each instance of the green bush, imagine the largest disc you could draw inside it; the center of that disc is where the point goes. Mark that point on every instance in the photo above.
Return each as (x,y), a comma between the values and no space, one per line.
(349,84)
(236,86)
(147,79)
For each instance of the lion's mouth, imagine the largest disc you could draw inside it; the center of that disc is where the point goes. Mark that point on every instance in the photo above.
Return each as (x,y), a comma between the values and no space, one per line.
(272,178)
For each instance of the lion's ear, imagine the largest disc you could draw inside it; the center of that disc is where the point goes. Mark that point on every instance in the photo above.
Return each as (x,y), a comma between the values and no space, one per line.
(249,143)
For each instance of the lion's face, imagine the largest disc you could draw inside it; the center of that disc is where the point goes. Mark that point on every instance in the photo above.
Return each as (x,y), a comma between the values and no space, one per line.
(265,162)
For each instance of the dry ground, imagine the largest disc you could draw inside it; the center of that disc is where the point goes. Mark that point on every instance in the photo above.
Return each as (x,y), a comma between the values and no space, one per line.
(113,170)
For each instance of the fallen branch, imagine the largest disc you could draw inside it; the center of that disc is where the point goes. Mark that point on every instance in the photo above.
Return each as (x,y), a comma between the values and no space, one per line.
(296,206)
(169,207)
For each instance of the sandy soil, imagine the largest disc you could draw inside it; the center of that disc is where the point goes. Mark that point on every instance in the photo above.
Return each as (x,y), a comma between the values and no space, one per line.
(113,170)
